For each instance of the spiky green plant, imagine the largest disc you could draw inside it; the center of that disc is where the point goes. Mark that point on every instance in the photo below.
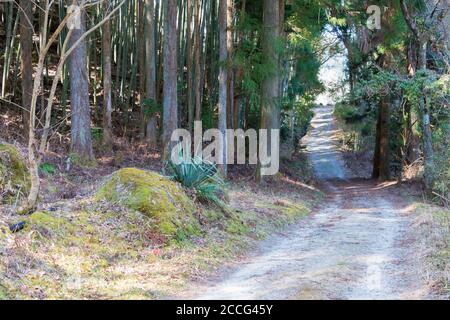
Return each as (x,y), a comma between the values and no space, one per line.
(200,175)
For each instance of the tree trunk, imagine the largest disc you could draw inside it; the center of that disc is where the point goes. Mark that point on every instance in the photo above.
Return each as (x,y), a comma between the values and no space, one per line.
(26,45)
(189,69)
(142,66)
(170,103)
(270,87)
(230,72)
(223,78)
(411,133)
(422,59)
(107,85)
(197,58)
(427,137)
(381,164)
(428,153)
(150,67)
(381,169)
(81,144)
(239,75)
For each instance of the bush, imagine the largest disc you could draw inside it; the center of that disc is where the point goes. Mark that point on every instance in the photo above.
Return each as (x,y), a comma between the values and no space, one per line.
(346,112)
(47,169)
(200,175)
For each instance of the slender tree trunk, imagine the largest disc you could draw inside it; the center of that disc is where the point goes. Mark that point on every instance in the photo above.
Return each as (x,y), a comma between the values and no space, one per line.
(26,45)
(230,71)
(239,75)
(427,137)
(33,156)
(384,116)
(270,87)
(107,85)
(381,169)
(142,67)
(223,79)
(422,59)
(189,63)
(412,136)
(170,101)
(81,143)
(150,67)
(197,58)
(159,14)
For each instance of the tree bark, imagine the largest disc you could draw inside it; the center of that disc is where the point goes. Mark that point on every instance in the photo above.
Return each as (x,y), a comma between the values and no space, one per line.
(223,78)
(270,87)
(411,133)
(189,62)
(170,101)
(239,75)
(142,66)
(197,58)
(381,164)
(81,144)
(150,67)
(26,66)
(230,71)
(107,85)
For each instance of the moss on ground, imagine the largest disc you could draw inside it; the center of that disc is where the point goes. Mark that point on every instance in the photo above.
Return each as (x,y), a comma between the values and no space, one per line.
(15,179)
(156,197)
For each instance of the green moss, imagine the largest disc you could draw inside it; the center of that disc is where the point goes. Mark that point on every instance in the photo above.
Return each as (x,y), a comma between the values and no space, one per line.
(156,197)
(236,226)
(15,179)
(4,232)
(83,161)
(3,293)
(294,211)
(44,219)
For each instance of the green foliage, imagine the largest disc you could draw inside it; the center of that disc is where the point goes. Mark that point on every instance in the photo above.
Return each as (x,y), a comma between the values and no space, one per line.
(346,112)
(47,168)
(97,134)
(426,88)
(150,108)
(302,113)
(200,175)
(358,124)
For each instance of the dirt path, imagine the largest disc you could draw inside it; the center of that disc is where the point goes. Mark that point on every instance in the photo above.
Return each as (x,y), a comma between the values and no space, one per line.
(355,246)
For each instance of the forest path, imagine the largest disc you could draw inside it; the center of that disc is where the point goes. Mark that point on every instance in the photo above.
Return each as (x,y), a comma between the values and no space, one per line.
(356,245)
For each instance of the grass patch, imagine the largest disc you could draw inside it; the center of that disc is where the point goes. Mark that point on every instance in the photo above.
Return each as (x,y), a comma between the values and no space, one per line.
(433,226)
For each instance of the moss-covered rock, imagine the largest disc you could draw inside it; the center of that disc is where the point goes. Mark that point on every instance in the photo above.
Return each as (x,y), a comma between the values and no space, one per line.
(156,197)
(15,179)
